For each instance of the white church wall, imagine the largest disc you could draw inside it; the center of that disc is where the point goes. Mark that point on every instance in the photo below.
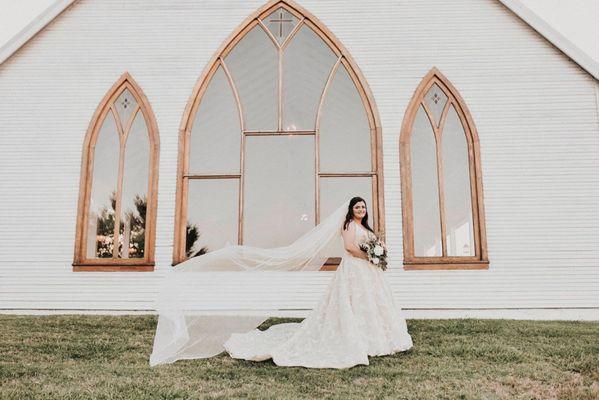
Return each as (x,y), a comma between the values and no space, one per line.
(536,113)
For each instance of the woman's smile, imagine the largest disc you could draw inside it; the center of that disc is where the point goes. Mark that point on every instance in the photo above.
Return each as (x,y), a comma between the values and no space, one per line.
(359,210)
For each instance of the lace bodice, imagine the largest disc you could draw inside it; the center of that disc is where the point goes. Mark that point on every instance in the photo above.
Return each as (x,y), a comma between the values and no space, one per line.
(361,234)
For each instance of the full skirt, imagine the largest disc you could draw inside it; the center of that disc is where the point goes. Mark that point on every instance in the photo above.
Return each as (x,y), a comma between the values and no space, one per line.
(356,317)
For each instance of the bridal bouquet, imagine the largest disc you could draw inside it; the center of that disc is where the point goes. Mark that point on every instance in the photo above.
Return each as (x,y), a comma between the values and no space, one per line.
(377,252)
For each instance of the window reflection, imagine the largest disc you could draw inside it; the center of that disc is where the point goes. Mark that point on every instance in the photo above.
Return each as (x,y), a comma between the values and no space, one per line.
(440,179)
(305,120)
(425,189)
(120,182)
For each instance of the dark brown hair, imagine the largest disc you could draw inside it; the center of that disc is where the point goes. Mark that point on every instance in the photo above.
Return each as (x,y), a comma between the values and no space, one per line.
(350,214)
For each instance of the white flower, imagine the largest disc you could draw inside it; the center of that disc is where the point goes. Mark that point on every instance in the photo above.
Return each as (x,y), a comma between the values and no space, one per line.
(375,260)
(378,250)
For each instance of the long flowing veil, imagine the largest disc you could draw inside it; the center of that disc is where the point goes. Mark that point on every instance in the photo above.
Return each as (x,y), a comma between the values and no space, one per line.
(185,332)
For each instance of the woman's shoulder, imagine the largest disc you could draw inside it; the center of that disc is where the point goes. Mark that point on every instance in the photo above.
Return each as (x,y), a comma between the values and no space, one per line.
(350,224)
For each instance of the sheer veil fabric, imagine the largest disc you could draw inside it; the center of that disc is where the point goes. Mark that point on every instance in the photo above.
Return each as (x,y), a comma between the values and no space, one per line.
(185,332)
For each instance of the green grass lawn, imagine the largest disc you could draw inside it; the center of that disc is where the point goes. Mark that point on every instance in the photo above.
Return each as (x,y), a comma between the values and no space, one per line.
(77,357)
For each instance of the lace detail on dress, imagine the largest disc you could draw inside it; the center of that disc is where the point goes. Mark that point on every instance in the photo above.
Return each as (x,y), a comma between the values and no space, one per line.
(355,318)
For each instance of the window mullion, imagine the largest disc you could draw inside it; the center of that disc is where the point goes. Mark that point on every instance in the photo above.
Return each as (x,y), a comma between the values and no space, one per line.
(241,191)
(280,91)
(235,92)
(292,34)
(324,92)
(440,185)
(127,128)
(241,144)
(250,98)
(119,187)
(317,135)
(317,176)
(474,204)
(438,133)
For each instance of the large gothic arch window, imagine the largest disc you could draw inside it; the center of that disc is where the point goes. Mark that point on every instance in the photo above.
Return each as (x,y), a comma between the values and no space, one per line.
(117,199)
(443,215)
(279,131)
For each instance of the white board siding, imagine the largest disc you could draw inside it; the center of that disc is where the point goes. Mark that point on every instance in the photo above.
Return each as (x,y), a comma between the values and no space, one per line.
(535,110)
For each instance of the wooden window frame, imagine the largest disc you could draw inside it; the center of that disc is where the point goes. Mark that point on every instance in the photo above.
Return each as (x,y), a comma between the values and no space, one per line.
(411,262)
(343,57)
(81,262)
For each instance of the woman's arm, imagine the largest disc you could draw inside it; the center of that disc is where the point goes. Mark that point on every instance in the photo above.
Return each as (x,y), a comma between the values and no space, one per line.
(349,236)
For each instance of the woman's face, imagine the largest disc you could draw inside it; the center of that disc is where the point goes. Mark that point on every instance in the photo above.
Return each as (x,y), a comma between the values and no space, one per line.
(359,209)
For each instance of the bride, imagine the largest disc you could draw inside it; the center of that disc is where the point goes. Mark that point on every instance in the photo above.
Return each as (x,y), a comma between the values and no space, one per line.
(355,318)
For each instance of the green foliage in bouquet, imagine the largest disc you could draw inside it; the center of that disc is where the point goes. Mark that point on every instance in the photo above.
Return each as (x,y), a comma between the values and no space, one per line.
(376,251)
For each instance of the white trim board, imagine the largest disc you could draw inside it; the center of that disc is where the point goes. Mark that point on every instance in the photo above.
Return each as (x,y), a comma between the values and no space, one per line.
(31,29)
(527,15)
(554,37)
(538,314)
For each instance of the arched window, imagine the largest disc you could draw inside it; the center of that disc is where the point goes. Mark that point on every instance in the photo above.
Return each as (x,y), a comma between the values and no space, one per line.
(443,215)
(119,174)
(279,131)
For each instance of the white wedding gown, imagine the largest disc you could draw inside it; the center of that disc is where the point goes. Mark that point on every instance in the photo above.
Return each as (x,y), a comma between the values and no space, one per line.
(355,318)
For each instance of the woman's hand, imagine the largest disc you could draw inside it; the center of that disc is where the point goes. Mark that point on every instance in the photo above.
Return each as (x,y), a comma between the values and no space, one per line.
(358,253)
(363,255)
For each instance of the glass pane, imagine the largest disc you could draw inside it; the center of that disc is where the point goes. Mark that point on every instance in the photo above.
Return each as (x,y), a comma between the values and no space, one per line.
(101,217)
(435,100)
(334,191)
(344,128)
(280,23)
(135,189)
(253,63)
(307,63)
(425,193)
(125,105)
(216,133)
(279,189)
(212,215)
(456,176)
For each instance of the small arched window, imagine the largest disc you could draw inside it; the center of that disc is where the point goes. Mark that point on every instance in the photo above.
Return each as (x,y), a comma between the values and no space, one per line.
(119,174)
(443,215)
(279,131)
